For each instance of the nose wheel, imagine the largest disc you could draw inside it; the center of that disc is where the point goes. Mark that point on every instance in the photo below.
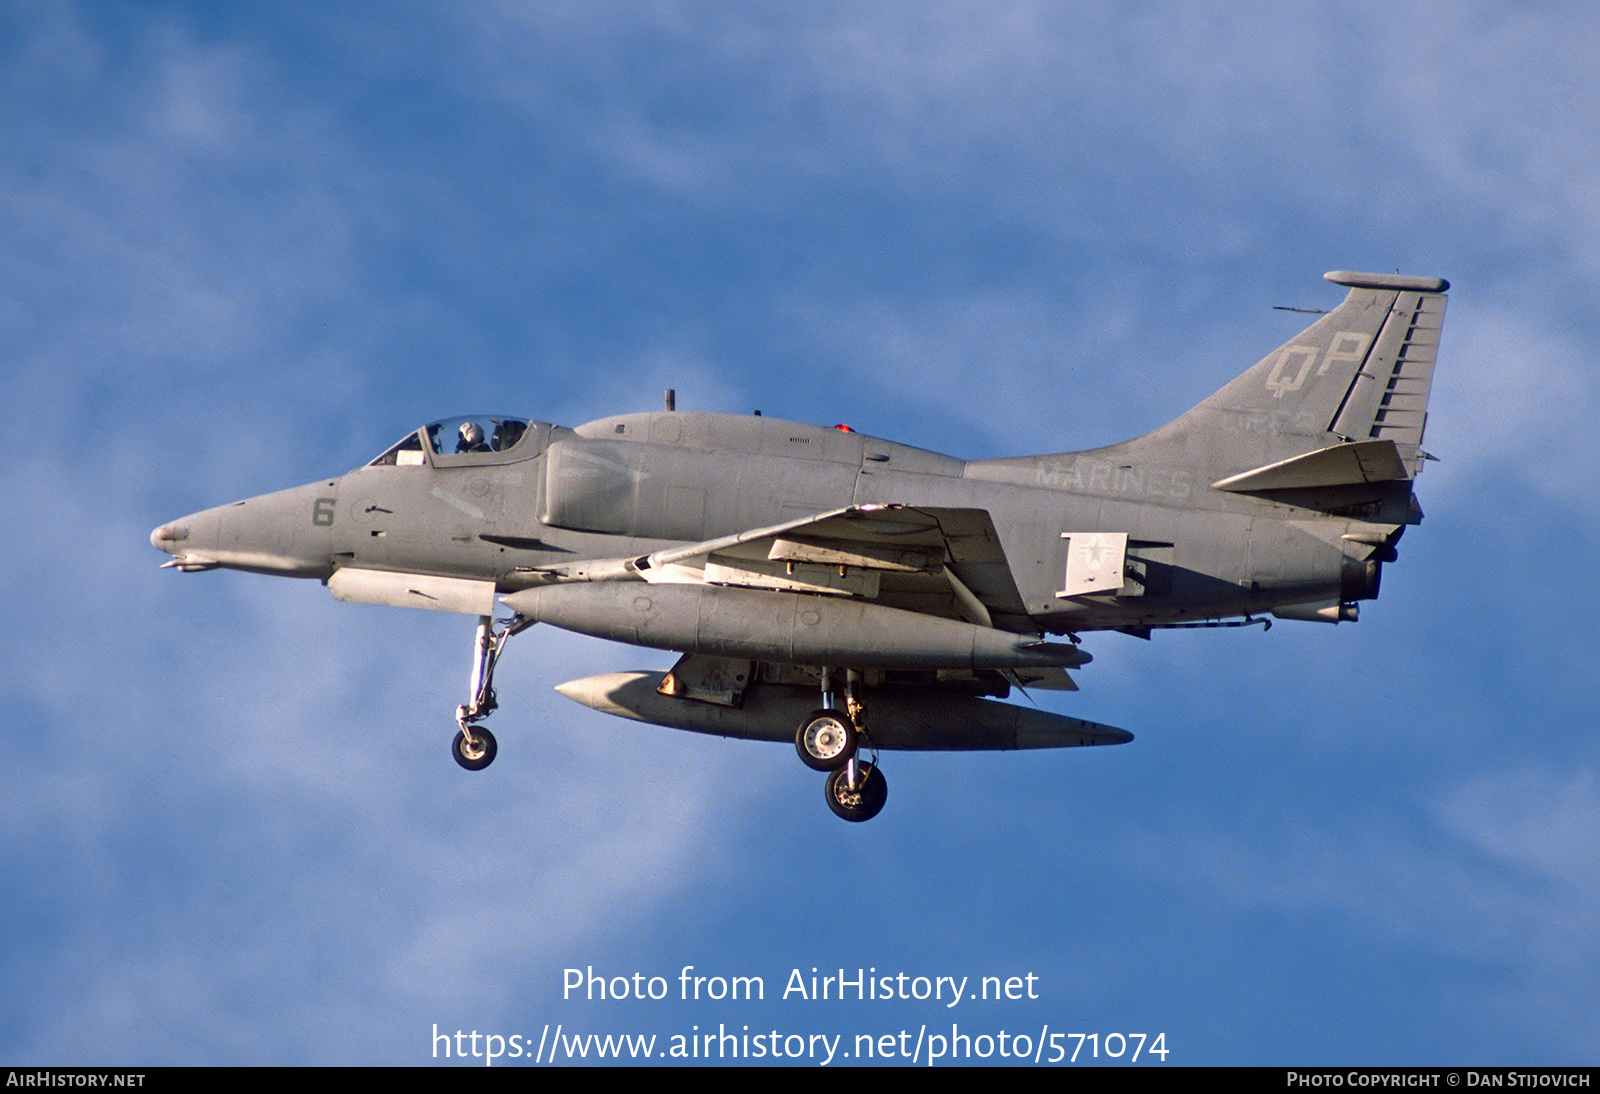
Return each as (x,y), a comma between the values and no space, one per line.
(476,752)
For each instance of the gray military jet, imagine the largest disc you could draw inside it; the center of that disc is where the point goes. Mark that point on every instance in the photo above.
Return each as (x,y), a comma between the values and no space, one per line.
(850,593)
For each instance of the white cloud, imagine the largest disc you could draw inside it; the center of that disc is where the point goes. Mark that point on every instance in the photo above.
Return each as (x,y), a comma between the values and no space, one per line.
(1169,125)
(1539,822)
(1513,394)
(993,373)
(1501,873)
(215,791)
(236,833)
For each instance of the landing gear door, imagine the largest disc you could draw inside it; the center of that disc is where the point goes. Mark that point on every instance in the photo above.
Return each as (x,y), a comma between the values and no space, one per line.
(1095,562)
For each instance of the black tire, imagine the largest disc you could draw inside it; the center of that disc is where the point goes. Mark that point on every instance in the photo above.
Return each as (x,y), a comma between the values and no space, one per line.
(865,801)
(475,759)
(826,740)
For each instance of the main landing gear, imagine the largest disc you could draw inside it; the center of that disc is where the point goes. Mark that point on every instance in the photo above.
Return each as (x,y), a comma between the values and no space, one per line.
(856,791)
(474,747)
(827,740)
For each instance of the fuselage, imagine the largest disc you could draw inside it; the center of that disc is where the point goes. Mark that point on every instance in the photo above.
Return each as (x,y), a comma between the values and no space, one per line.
(540,497)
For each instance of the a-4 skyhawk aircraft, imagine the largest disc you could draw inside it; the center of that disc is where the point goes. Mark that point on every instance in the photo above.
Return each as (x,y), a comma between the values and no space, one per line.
(846,593)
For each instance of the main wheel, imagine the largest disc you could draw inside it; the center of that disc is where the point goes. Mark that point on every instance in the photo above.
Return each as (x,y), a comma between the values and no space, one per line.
(863,802)
(826,740)
(477,754)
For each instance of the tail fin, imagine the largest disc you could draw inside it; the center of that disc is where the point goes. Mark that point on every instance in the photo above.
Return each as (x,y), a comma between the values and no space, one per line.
(1357,380)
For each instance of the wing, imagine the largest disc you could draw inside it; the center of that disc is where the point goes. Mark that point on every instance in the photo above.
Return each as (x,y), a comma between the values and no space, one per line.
(944,562)
(937,561)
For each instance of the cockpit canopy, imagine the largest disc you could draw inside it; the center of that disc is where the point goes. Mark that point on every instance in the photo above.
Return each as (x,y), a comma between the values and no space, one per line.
(471,434)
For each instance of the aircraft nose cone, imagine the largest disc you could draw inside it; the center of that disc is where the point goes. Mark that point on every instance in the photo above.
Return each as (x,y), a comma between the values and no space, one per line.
(168,536)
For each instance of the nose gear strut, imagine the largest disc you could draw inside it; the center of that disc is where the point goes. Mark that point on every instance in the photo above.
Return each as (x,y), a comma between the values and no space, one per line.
(474,746)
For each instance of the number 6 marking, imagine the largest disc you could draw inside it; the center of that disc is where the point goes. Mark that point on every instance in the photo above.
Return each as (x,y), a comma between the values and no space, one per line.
(322,512)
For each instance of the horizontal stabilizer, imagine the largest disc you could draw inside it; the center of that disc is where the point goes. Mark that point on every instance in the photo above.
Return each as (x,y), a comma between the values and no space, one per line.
(1351,464)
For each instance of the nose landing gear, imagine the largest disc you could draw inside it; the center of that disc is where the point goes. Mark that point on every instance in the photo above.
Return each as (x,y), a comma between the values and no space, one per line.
(476,752)
(474,746)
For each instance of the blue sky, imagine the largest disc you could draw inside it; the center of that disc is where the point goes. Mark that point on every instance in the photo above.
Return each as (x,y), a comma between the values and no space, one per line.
(246,246)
